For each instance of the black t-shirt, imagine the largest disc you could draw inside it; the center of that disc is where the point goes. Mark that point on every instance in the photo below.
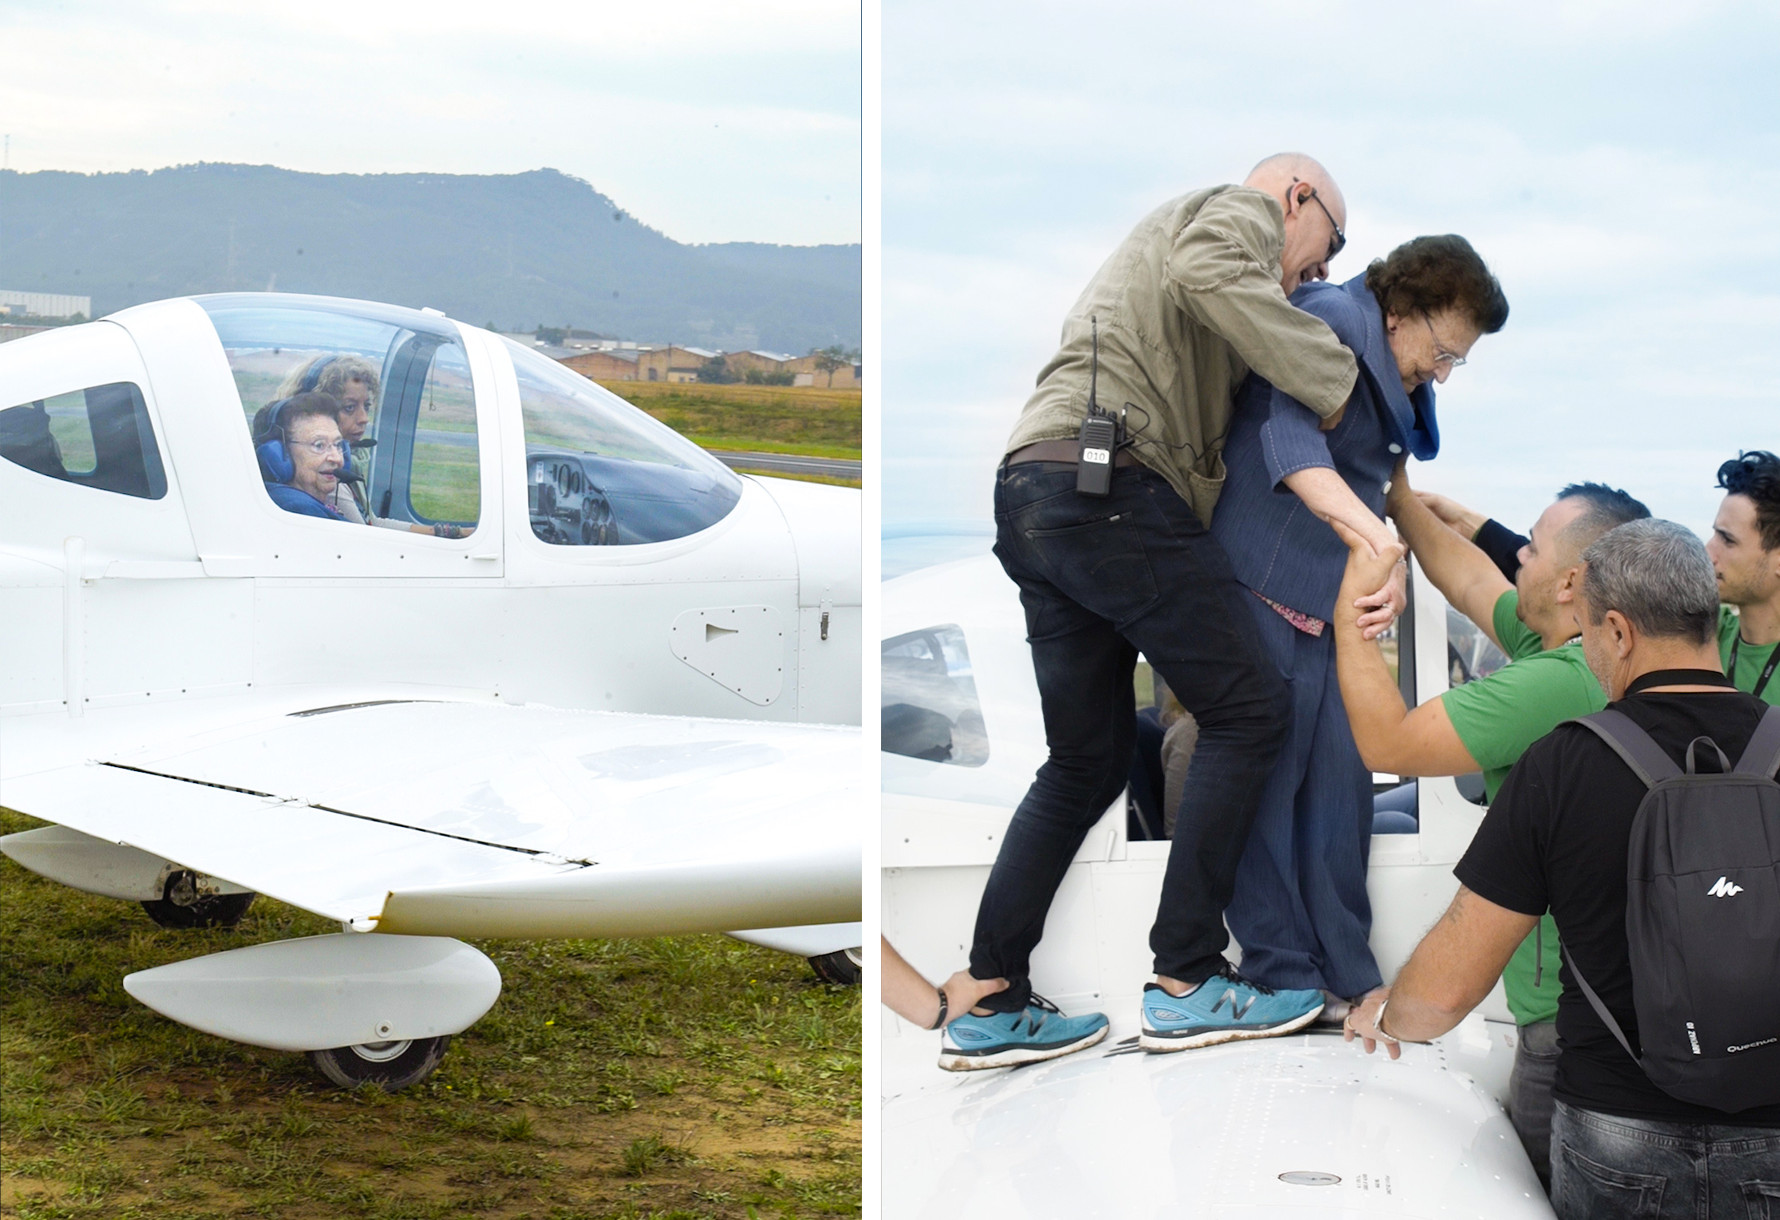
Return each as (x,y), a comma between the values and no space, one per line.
(1557,836)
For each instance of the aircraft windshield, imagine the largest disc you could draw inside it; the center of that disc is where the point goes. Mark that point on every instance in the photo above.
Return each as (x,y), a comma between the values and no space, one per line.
(602,473)
(360,414)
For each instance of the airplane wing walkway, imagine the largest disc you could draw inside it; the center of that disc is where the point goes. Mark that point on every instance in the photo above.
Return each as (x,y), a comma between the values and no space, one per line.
(481,819)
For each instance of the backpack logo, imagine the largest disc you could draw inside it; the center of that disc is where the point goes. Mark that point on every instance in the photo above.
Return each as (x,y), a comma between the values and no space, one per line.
(1724,887)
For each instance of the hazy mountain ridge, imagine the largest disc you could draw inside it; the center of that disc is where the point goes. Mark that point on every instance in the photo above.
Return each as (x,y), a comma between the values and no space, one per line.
(514,249)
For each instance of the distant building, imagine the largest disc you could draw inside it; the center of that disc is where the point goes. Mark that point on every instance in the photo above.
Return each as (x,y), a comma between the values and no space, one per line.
(617,364)
(45,304)
(10,331)
(743,363)
(809,371)
(672,363)
(615,360)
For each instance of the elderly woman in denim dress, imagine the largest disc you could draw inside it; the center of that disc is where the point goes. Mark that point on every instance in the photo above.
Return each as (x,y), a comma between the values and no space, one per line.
(1300,910)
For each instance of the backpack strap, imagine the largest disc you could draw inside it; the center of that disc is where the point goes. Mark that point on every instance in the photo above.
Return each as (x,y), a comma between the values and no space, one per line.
(1646,759)
(1594,1002)
(1762,755)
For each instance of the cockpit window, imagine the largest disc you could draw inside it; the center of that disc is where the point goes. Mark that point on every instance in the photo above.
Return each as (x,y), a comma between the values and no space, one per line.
(1469,652)
(359,414)
(929,698)
(599,472)
(98,437)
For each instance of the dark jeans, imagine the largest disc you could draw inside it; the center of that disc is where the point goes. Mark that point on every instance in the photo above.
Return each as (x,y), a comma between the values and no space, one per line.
(1101,580)
(1529,1093)
(1632,1167)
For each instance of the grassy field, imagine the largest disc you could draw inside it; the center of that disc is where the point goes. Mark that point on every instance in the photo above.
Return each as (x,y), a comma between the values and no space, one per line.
(777,419)
(671,1079)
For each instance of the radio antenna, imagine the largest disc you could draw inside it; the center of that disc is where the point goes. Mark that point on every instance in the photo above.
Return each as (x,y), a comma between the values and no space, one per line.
(1094,368)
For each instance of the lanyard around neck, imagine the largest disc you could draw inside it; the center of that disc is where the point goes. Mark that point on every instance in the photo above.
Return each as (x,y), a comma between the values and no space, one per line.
(1767,671)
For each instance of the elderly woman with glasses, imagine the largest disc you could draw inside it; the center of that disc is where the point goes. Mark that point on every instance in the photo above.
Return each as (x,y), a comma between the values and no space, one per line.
(301,454)
(1300,910)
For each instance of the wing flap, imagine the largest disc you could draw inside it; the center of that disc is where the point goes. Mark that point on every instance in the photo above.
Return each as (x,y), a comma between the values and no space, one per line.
(662,900)
(335,865)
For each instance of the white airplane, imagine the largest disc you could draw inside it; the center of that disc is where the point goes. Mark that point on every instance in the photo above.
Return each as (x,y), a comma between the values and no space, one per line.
(1298,1125)
(586,682)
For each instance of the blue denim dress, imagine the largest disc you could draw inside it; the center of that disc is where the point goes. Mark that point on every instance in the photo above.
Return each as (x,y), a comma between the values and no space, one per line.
(1300,909)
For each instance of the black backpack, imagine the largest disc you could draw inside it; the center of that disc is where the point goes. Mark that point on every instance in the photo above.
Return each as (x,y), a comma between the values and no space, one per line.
(1702,918)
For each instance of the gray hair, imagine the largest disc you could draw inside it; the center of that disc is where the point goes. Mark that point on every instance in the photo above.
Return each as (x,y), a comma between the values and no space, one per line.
(330,375)
(1656,573)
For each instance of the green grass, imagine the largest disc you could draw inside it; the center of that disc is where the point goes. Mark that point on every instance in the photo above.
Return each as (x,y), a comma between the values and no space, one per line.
(810,423)
(446,483)
(689,1076)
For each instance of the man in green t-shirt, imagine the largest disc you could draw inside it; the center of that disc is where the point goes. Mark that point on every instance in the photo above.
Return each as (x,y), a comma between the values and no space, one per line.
(1745,551)
(1486,725)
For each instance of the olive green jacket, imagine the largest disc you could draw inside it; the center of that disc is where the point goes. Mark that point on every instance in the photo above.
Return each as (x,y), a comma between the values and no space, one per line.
(1187,305)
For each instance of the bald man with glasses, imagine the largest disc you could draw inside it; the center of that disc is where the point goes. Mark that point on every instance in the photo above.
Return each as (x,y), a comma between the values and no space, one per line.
(1192,301)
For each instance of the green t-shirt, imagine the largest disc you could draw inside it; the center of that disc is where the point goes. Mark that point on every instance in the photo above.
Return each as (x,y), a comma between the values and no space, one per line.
(1497,718)
(1751,658)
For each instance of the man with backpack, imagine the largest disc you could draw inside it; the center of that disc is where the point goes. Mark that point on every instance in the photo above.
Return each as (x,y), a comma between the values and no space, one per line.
(1662,871)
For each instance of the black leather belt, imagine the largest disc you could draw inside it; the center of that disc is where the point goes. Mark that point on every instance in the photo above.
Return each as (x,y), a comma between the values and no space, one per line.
(1063,451)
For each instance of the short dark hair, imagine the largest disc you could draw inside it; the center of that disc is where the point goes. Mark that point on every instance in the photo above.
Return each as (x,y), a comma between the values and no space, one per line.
(1756,474)
(304,406)
(1606,508)
(1656,573)
(1428,274)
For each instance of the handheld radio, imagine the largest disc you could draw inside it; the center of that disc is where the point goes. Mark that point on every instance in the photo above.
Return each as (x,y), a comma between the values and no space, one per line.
(1099,439)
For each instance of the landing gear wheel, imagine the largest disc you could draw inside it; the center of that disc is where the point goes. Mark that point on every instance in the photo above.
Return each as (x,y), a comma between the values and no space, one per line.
(182,906)
(841,968)
(389,1065)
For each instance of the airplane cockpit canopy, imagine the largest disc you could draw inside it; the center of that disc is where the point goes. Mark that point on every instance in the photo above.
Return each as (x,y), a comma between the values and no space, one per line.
(404,382)
(600,472)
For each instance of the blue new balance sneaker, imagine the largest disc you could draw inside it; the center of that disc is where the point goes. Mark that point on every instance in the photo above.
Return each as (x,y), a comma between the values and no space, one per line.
(1224,1008)
(1004,1039)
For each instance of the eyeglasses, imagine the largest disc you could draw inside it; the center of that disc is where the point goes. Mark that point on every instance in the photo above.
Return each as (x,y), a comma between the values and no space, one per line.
(1340,239)
(1441,355)
(321,448)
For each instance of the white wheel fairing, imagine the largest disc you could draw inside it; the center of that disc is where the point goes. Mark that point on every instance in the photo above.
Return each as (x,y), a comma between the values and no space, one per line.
(324,992)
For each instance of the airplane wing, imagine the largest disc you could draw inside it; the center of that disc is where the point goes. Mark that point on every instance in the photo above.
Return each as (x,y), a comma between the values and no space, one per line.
(477,818)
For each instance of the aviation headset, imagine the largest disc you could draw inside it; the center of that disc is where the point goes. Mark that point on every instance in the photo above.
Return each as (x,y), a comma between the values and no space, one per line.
(270,436)
(312,378)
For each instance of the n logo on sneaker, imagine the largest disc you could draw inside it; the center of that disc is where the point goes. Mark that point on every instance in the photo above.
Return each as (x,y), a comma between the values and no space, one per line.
(1724,887)
(1229,997)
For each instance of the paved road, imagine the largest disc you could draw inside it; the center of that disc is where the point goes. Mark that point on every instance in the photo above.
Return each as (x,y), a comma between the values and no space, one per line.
(786,463)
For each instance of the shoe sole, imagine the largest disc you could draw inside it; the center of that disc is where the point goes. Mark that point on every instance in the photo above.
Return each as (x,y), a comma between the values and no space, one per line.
(1150,1040)
(959,1061)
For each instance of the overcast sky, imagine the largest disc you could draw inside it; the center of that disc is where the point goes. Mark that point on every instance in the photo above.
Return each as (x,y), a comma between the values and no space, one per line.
(710,121)
(1616,164)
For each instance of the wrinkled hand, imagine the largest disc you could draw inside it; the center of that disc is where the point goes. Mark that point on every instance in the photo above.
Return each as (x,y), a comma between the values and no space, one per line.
(1362,1023)
(1379,610)
(964,992)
